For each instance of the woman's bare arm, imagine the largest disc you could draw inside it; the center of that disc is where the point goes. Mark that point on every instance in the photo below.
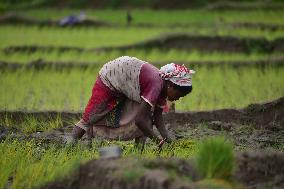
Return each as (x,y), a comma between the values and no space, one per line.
(144,121)
(159,122)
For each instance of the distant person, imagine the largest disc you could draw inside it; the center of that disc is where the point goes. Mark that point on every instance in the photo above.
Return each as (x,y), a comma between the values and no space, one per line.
(72,19)
(128,18)
(129,95)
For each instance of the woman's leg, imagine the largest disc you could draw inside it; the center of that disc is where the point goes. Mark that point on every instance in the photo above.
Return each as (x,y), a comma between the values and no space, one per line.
(101,102)
(119,124)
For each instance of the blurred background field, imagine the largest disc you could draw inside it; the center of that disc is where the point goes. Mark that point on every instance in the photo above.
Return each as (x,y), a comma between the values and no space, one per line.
(215,87)
(69,90)
(236,48)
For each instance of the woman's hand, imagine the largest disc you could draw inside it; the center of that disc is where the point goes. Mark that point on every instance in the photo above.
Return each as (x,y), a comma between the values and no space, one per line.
(143,120)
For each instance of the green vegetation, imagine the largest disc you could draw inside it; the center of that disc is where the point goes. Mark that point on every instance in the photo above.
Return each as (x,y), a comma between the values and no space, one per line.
(224,87)
(215,158)
(116,36)
(69,90)
(78,37)
(32,163)
(165,17)
(152,56)
(32,124)
(114,4)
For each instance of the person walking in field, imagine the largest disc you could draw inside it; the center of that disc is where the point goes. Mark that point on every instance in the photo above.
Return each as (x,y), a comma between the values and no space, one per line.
(128,99)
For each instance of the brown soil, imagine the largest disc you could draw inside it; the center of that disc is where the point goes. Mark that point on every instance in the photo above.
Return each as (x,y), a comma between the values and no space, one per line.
(260,115)
(178,41)
(263,115)
(261,169)
(129,173)
(254,170)
(258,126)
(42,64)
(261,26)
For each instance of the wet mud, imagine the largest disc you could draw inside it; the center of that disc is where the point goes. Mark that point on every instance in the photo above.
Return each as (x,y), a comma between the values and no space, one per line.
(260,169)
(257,132)
(258,126)
(253,170)
(177,41)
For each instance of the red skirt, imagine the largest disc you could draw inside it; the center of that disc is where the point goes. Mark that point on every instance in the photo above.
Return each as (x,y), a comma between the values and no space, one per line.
(109,114)
(102,101)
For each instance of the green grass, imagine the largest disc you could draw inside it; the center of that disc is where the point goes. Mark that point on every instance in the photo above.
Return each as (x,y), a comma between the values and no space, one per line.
(78,37)
(31,164)
(105,37)
(152,56)
(69,90)
(224,87)
(215,158)
(47,90)
(165,17)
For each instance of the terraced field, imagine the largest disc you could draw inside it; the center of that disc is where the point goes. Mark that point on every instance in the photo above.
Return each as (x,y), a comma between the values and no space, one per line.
(47,72)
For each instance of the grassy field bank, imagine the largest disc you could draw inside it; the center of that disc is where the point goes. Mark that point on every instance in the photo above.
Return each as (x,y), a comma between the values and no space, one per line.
(152,56)
(68,90)
(31,164)
(165,17)
(105,37)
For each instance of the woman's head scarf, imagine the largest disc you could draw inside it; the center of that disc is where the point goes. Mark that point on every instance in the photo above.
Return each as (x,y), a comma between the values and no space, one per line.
(178,74)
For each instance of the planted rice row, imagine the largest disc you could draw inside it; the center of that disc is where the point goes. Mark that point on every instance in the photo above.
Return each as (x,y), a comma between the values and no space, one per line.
(69,90)
(165,17)
(152,56)
(110,37)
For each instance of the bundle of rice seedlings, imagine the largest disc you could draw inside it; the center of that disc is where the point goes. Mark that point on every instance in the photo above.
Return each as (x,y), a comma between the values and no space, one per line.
(215,158)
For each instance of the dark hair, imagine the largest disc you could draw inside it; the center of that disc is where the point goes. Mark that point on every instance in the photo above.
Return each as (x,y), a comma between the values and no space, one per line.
(184,89)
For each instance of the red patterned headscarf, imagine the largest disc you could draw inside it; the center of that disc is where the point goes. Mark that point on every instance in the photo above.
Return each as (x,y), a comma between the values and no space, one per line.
(178,74)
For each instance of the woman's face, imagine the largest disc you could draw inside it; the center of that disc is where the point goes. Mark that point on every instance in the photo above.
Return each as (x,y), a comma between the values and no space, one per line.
(173,94)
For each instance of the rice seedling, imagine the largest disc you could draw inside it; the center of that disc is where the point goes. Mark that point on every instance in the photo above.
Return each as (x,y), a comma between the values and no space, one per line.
(31,165)
(76,37)
(164,17)
(152,55)
(85,37)
(69,90)
(215,158)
